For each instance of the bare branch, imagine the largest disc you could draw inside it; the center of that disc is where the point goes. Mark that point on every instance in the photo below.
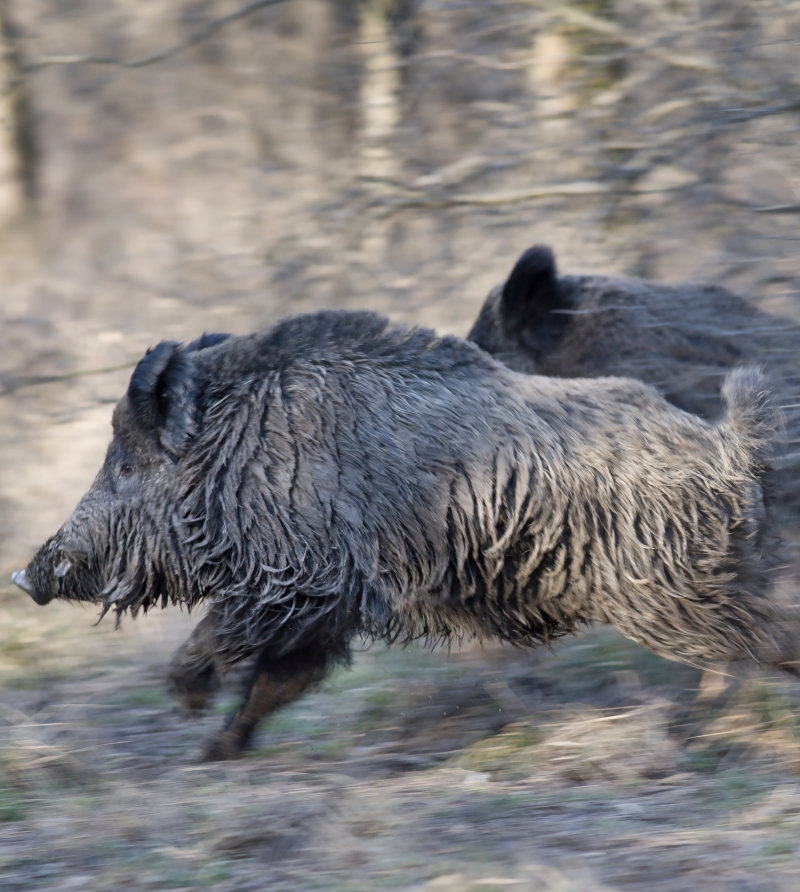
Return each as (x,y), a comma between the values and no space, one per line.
(616,32)
(779,209)
(574,16)
(482,61)
(203,33)
(740,115)
(12,384)
(488,199)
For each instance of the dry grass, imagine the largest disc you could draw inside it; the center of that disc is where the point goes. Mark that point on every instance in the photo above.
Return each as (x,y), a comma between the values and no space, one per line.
(598,767)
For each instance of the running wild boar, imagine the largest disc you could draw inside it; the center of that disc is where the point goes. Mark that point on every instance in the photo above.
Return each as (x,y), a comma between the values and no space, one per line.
(682,339)
(335,476)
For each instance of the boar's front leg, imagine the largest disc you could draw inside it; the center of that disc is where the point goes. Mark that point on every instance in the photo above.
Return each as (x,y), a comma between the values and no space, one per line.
(276,682)
(194,675)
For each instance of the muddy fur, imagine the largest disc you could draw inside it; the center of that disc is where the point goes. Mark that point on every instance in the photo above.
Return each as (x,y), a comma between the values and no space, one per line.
(334,475)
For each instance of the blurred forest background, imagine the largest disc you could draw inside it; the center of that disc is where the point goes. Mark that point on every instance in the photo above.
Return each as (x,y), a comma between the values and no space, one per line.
(169,167)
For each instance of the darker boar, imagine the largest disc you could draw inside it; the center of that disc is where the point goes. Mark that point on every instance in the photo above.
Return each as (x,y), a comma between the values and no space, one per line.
(683,339)
(335,476)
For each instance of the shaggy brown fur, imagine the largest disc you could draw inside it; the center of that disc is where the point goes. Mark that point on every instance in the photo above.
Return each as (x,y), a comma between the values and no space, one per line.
(334,475)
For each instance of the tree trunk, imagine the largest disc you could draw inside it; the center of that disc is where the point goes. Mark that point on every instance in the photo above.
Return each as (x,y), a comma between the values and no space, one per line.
(17,143)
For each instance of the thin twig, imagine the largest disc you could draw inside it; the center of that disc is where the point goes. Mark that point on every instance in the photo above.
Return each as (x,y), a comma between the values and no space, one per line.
(610,29)
(482,61)
(779,209)
(18,383)
(740,115)
(576,188)
(202,33)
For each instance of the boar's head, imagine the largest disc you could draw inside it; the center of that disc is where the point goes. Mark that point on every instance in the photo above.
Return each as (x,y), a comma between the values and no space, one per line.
(119,546)
(520,320)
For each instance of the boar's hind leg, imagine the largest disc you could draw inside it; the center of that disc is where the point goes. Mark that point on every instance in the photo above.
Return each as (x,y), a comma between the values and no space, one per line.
(275,683)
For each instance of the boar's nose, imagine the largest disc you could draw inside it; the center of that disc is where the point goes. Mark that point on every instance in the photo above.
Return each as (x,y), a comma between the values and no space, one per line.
(20,579)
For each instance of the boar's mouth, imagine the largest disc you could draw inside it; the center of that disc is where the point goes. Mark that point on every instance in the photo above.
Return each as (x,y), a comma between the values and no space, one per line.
(21,580)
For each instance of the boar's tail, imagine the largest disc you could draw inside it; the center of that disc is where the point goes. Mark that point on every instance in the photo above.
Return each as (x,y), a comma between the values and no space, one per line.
(752,412)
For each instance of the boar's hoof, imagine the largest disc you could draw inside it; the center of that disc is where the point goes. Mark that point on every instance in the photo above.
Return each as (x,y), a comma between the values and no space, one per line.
(193,690)
(221,748)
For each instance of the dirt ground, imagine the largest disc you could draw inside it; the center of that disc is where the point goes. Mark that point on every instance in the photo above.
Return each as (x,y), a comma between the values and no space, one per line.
(397,156)
(598,767)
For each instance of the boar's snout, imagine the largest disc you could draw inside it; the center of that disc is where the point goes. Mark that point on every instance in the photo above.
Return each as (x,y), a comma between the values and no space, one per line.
(21,580)
(50,574)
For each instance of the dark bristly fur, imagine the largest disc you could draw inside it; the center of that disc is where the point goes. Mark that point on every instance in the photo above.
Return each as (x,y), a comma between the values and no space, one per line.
(682,339)
(334,475)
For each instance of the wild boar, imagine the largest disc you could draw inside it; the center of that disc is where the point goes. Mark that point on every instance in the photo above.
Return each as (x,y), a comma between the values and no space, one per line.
(335,476)
(682,339)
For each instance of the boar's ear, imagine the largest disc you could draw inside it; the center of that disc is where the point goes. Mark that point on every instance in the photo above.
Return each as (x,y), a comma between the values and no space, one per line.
(205,341)
(162,395)
(531,290)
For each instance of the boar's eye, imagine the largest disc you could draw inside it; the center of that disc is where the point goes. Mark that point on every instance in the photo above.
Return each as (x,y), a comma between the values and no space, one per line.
(126,469)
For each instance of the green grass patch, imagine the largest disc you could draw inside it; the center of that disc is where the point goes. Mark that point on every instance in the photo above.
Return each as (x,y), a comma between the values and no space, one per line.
(144,698)
(13,806)
(511,754)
